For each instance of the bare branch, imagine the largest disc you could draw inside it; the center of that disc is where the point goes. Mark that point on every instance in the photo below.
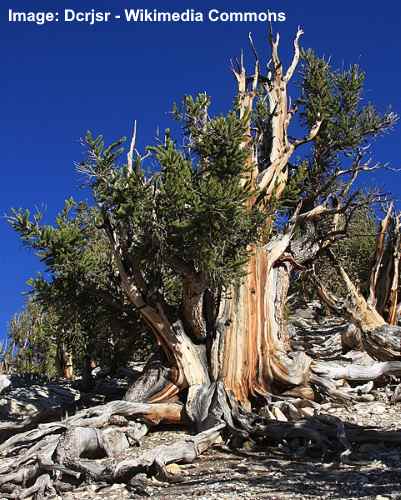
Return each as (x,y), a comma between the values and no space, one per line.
(379,252)
(312,134)
(295,59)
(253,46)
(327,297)
(130,154)
(274,43)
(392,315)
(361,312)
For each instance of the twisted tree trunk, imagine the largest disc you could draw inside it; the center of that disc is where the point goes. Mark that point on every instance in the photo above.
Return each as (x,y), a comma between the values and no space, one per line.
(247,348)
(243,344)
(251,349)
(377,315)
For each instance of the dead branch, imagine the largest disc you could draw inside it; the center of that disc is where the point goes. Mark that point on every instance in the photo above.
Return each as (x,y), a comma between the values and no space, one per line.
(379,252)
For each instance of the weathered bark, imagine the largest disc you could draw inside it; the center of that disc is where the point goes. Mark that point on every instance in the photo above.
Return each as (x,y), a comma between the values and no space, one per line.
(250,352)
(384,277)
(155,382)
(392,300)
(379,253)
(362,312)
(245,344)
(185,451)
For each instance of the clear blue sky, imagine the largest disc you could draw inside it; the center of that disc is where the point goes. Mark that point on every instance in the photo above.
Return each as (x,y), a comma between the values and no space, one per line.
(59,80)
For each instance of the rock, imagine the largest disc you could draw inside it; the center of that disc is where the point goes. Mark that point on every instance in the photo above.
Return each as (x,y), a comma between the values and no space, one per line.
(366,397)
(279,415)
(4,383)
(377,408)
(307,412)
(21,402)
(117,486)
(325,406)
(173,469)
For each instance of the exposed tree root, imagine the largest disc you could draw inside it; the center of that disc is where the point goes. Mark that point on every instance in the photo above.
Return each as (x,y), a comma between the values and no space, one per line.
(185,451)
(8,429)
(383,343)
(47,459)
(93,444)
(354,372)
(152,413)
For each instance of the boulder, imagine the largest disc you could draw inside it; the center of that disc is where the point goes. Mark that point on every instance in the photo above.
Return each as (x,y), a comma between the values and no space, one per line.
(4,383)
(22,402)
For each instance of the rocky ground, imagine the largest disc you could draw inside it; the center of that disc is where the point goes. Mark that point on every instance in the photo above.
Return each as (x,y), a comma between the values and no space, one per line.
(369,471)
(373,471)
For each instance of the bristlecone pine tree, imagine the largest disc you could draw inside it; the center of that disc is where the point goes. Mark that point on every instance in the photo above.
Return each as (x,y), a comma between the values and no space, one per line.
(205,248)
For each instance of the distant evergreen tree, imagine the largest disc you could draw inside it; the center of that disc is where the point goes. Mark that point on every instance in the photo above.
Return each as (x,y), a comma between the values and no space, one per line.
(77,304)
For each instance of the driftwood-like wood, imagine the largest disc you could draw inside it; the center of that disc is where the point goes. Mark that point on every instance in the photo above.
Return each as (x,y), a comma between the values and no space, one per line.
(392,300)
(185,451)
(356,372)
(378,257)
(383,343)
(71,449)
(155,382)
(152,413)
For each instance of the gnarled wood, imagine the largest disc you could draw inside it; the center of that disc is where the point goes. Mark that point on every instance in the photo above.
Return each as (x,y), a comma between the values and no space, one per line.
(357,372)
(185,451)
(254,347)
(379,252)
(392,301)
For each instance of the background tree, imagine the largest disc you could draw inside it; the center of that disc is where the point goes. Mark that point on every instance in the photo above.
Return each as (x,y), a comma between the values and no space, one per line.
(377,307)
(77,302)
(34,338)
(355,253)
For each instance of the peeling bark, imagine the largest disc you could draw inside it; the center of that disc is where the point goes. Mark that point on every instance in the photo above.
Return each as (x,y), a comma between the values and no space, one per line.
(251,355)
(379,253)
